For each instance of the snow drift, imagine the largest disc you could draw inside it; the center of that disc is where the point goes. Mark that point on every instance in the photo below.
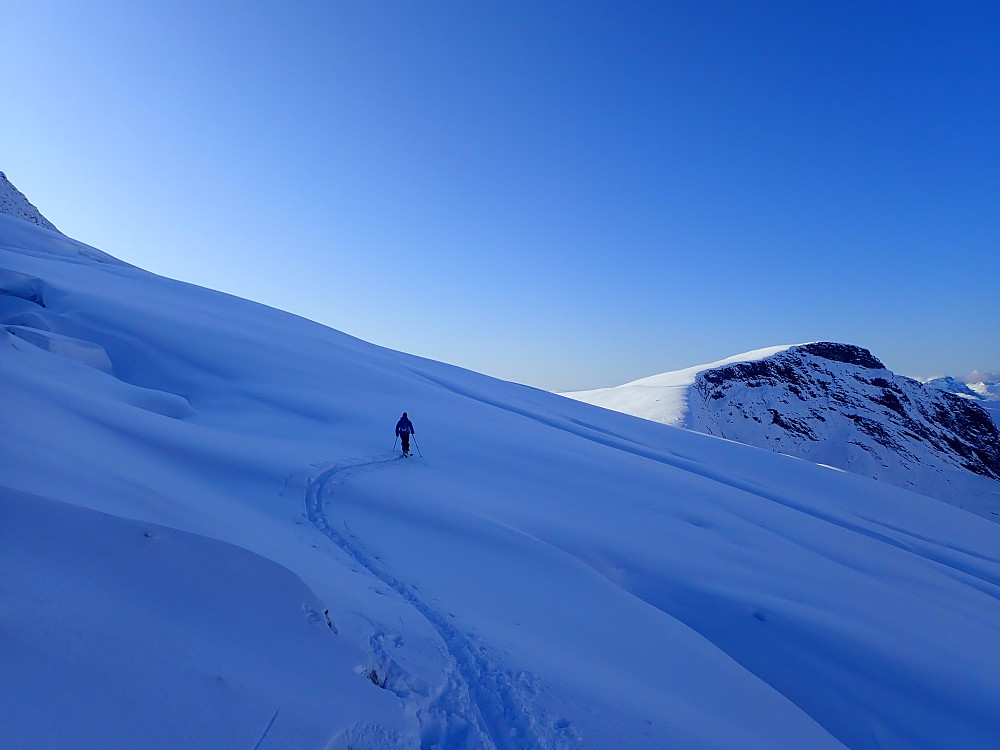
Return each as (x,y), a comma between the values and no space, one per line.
(206,541)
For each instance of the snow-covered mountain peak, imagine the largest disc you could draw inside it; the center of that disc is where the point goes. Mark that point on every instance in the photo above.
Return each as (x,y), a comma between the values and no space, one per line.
(986,387)
(688,374)
(846,353)
(664,397)
(809,391)
(14,203)
(793,366)
(834,404)
(981,387)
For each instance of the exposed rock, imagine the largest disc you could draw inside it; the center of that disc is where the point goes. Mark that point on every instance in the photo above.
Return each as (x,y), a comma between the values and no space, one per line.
(892,420)
(13,203)
(837,404)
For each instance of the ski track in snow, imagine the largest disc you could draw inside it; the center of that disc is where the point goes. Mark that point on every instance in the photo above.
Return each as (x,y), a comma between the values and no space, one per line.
(483,705)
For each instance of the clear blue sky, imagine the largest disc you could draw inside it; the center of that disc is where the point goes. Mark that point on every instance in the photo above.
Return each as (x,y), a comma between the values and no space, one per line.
(565,194)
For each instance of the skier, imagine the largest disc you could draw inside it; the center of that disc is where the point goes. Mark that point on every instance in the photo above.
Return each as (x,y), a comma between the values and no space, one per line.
(404,428)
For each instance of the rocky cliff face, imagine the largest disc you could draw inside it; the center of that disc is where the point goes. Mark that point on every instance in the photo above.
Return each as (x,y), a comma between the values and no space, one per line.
(13,203)
(838,404)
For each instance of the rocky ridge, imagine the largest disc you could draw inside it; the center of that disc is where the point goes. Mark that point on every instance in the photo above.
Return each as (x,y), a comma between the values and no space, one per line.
(14,203)
(839,401)
(835,404)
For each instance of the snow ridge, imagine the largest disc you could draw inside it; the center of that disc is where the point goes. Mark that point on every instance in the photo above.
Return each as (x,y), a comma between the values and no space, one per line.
(14,203)
(662,398)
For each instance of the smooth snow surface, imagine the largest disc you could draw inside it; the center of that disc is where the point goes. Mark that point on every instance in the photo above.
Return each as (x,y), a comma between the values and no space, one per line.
(207,541)
(664,397)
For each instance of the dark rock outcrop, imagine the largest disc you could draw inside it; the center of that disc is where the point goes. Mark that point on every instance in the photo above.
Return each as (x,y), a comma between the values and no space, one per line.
(840,403)
(13,203)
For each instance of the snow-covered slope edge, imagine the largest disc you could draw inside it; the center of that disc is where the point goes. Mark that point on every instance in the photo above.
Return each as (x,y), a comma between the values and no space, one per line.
(835,404)
(13,203)
(548,575)
(665,397)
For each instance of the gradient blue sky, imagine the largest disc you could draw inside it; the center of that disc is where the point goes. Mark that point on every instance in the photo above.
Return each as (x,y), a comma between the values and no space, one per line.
(565,194)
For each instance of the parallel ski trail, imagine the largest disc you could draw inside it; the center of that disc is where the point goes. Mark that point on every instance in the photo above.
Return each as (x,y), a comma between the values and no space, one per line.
(495,697)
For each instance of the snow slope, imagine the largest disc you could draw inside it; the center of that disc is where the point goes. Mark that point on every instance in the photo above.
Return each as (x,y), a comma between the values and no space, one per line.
(121,626)
(834,404)
(665,397)
(13,203)
(206,541)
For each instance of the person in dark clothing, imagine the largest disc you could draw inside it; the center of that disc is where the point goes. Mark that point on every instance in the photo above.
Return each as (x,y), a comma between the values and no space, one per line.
(404,428)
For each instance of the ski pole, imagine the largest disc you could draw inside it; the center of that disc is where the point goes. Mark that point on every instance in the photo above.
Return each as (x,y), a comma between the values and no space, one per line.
(416,446)
(394,444)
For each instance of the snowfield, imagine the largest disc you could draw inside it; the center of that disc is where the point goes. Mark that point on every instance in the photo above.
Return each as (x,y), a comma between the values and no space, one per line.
(207,541)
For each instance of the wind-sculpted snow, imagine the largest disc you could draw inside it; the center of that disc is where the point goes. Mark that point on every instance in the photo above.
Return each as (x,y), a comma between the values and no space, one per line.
(547,575)
(123,634)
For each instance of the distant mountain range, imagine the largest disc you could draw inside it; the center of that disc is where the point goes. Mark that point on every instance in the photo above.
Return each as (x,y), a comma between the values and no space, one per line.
(836,404)
(982,388)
